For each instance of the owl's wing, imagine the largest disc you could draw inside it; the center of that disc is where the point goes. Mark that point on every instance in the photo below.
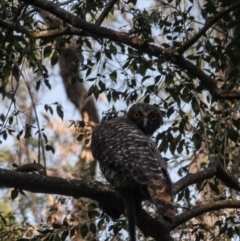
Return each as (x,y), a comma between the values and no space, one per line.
(148,163)
(120,144)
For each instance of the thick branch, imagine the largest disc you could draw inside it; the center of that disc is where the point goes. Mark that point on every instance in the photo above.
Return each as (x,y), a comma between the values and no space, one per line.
(77,188)
(196,211)
(228,179)
(208,25)
(104,194)
(40,34)
(190,179)
(214,168)
(195,71)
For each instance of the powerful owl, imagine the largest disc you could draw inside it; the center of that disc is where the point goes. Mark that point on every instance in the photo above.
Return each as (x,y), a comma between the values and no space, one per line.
(131,162)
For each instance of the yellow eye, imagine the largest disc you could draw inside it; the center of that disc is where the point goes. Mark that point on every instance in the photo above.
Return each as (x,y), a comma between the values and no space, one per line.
(153,117)
(136,115)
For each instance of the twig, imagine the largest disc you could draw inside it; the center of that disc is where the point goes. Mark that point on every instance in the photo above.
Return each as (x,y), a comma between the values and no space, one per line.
(208,25)
(105,12)
(19,10)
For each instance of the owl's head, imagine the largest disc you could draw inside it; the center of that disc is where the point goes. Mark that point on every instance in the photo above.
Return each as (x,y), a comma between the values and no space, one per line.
(147,117)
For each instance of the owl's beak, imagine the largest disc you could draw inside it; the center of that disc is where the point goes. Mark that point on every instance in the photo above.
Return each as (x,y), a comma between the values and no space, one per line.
(145,121)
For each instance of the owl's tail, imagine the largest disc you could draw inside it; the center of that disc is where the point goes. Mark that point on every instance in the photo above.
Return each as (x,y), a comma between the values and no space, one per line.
(162,199)
(130,206)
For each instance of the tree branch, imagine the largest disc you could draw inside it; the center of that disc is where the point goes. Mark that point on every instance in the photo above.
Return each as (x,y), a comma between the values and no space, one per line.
(190,179)
(227,178)
(15,18)
(78,188)
(135,42)
(208,25)
(40,34)
(104,194)
(196,211)
(105,12)
(214,168)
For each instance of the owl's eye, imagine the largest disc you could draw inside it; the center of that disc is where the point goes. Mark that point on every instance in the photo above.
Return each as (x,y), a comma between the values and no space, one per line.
(136,115)
(153,117)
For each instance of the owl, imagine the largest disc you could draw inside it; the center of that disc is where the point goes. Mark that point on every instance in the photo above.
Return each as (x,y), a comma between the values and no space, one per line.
(131,162)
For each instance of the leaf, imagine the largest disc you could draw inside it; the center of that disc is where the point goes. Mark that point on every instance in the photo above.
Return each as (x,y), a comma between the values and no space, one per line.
(22,192)
(93,90)
(46,81)
(146,99)
(56,225)
(4,133)
(170,111)
(65,222)
(54,58)
(102,86)
(3,219)
(80,137)
(88,71)
(145,78)
(15,165)
(59,111)
(93,228)
(236,123)
(214,187)
(64,235)
(46,107)
(163,146)
(45,137)
(10,120)
(113,75)
(2,117)
(19,135)
(50,109)
(15,72)
(38,84)
(28,132)
(14,193)
(187,193)
(180,146)
(50,148)
(72,232)
(84,230)
(47,51)
(180,196)
(195,106)
(233,135)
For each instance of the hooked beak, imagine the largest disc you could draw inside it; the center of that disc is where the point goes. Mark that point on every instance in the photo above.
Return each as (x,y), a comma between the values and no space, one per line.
(145,120)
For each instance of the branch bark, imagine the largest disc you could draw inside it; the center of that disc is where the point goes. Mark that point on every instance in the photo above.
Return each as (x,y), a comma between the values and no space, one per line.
(190,179)
(214,168)
(78,188)
(196,211)
(105,194)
